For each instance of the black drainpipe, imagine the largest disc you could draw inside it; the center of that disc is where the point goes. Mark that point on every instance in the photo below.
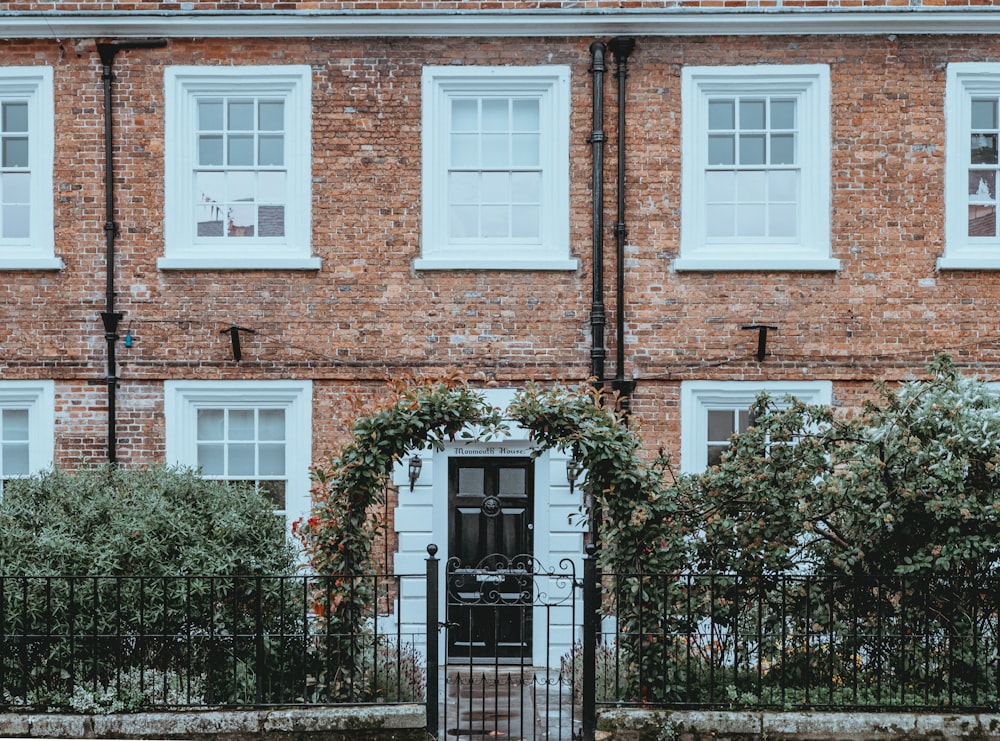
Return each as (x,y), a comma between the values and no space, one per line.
(109,316)
(621,47)
(598,318)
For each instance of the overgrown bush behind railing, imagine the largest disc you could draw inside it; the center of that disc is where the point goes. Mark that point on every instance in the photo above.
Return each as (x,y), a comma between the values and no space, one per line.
(795,640)
(125,643)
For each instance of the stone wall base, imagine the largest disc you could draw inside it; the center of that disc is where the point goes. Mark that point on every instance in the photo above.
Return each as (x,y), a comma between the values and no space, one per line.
(692,725)
(386,723)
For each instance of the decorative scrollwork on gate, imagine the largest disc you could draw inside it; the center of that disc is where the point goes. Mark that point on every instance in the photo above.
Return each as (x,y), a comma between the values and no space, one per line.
(520,580)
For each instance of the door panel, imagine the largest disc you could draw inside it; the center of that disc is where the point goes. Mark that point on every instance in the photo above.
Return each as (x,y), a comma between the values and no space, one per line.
(490,589)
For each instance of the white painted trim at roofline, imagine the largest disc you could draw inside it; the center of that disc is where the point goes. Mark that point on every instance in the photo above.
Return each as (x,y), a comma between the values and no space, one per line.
(509,23)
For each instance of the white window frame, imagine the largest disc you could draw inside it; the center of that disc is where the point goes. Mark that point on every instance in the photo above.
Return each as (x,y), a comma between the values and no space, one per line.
(183,85)
(698,397)
(961,252)
(37,251)
(183,399)
(38,397)
(809,85)
(551,84)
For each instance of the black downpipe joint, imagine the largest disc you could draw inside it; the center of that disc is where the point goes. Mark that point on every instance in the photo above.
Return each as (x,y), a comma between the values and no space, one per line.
(598,316)
(111,318)
(621,47)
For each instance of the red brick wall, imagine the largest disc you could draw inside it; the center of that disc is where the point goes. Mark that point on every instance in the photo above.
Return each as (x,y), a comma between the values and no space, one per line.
(368,315)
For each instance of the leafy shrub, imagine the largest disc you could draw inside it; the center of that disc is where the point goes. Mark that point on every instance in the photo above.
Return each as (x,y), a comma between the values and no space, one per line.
(89,567)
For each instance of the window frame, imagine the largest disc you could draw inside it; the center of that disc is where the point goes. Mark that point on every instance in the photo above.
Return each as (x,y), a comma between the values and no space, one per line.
(964,80)
(38,397)
(698,397)
(551,85)
(37,251)
(183,399)
(183,85)
(809,85)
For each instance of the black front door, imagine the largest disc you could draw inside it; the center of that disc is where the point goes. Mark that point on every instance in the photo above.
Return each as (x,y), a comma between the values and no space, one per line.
(490,582)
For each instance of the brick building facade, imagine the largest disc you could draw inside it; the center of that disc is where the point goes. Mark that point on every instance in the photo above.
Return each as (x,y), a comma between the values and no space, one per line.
(366,190)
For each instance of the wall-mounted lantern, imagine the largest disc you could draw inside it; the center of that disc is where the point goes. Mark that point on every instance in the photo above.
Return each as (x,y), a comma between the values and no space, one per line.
(414,470)
(572,472)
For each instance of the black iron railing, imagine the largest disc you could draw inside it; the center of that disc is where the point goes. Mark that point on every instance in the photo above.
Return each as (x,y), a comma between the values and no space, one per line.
(794,641)
(104,643)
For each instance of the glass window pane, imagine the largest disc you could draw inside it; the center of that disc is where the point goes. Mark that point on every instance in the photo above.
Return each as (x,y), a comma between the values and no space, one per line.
(751,185)
(782,149)
(715,454)
(465,115)
(751,114)
(744,417)
(496,187)
(241,220)
(16,222)
(15,152)
(495,222)
(721,220)
(464,150)
(241,115)
(272,459)
(242,424)
(782,185)
(463,187)
(271,151)
(241,151)
(721,115)
(496,114)
(15,187)
(495,150)
(471,481)
(526,115)
(15,460)
(463,222)
(272,115)
(273,490)
(782,114)
(240,186)
(525,222)
(526,187)
(512,481)
(982,186)
(15,117)
(783,220)
(211,459)
(272,424)
(984,114)
(242,459)
(752,149)
(720,186)
(210,151)
(15,424)
(720,424)
(271,220)
(211,424)
(525,150)
(721,150)
(210,115)
(982,221)
(984,149)
(750,221)
(271,186)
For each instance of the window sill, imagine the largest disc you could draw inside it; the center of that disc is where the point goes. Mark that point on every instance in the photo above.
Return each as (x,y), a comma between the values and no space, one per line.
(441,263)
(32,263)
(968,263)
(246,263)
(776,265)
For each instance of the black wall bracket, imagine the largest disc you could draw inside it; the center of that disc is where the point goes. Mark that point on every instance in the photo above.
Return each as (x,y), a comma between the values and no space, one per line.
(762,330)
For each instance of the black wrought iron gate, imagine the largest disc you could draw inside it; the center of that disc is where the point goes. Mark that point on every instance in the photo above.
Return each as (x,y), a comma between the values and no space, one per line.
(534,687)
